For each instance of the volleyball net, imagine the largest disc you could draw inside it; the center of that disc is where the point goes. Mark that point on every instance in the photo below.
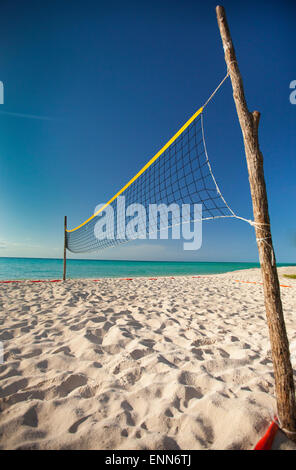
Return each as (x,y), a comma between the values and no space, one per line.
(180,173)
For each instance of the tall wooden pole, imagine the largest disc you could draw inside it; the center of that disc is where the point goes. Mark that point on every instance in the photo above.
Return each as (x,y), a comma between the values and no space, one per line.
(283,373)
(65,247)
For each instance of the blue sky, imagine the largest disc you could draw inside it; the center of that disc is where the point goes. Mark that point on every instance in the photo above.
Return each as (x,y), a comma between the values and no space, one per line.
(94,89)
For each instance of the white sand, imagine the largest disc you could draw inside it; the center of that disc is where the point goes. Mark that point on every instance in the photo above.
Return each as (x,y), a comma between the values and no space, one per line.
(142,364)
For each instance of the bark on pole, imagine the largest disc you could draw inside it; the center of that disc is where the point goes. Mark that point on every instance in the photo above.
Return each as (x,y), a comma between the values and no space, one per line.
(283,372)
(65,247)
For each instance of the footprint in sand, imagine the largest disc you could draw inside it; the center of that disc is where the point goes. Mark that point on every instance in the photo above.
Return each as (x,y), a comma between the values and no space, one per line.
(71,383)
(73,429)
(42,365)
(30,417)
(14,387)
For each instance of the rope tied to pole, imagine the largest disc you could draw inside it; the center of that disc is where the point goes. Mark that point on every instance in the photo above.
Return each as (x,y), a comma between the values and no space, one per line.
(286,431)
(264,240)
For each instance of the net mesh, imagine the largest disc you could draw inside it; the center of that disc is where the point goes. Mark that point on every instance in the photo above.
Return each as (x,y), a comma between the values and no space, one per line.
(180,175)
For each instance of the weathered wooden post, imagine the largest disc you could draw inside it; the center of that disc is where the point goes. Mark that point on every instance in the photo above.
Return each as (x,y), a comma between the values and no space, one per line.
(65,247)
(284,385)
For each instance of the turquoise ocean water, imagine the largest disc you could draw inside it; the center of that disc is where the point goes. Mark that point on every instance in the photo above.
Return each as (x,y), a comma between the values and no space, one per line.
(43,268)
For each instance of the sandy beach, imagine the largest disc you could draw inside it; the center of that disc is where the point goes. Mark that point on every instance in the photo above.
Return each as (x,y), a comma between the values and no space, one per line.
(166,363)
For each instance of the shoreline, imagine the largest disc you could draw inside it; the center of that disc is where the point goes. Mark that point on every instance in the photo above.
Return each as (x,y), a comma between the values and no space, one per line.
(44,269)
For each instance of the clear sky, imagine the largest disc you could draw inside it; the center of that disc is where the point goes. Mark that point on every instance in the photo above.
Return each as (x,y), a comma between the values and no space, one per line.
(93,89)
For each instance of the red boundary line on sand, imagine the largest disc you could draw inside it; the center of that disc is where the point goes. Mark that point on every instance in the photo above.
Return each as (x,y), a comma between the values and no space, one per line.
(123,278)
(265,443)
(32,280)
(94,280)
(253,282)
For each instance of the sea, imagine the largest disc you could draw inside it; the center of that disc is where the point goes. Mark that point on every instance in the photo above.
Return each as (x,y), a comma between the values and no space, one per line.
(48,268)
